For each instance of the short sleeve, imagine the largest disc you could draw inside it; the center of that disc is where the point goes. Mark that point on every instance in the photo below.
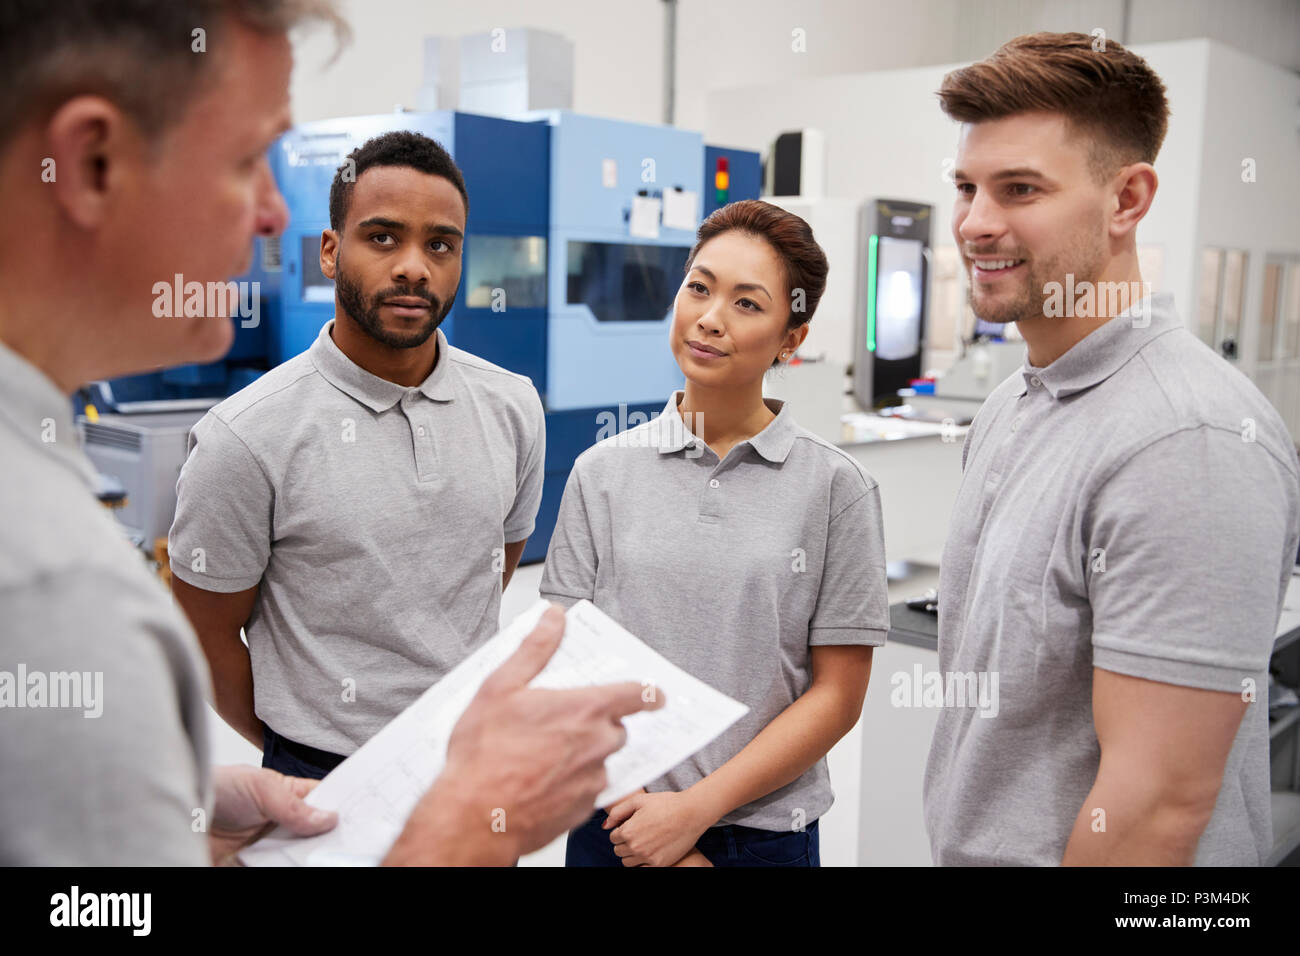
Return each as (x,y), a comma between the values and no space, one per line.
(117,779)
(530,475)
(570,572)
(220,539)
(853,602)
(1190,545)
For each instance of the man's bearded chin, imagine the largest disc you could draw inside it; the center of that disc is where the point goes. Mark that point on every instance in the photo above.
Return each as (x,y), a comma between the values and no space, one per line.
(366,314)
(1002,310)
(1086,265)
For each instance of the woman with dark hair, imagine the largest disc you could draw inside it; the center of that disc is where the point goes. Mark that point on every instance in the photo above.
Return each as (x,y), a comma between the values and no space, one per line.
(743,548)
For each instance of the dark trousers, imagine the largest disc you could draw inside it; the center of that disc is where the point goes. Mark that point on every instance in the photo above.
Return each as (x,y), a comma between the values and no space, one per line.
(294,759)
(728,845)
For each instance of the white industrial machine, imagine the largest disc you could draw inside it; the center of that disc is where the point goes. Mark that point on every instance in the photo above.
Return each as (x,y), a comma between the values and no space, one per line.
(143,452)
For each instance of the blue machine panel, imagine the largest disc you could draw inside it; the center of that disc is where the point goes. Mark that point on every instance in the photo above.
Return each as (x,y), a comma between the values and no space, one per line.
(621,355)
(501,308)
(744,173)
(554,283)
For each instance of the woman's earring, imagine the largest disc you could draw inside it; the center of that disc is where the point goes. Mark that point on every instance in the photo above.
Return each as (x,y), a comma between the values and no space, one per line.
(784,353)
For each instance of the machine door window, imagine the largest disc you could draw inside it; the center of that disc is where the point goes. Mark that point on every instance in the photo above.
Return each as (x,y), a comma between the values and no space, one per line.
(898,298)
(504,272)
(621,282)
(315,287)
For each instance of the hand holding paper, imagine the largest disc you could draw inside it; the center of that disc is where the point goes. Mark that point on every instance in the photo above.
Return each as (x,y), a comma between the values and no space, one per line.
(375,790)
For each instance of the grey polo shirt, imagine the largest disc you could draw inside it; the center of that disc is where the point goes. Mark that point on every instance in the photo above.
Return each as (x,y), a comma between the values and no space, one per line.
(731,569)
(1131,507)
(103,728)
(373,517)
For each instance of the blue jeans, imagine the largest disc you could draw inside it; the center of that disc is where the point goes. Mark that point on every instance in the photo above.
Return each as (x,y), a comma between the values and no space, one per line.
(294,759)
(727,845)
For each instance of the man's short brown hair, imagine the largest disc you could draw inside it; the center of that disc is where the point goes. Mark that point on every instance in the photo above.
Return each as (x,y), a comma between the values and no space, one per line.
(137,53)
(1107,93)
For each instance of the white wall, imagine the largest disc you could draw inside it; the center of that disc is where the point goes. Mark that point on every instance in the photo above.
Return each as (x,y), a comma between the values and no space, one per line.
(618,48)
(1267,29)
(728,43)
(1172,220)
(1252,110)
(618,53)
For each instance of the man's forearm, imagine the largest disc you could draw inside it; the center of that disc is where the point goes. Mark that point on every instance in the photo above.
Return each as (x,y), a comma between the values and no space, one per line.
(245,723)
(232,687)
(218,618)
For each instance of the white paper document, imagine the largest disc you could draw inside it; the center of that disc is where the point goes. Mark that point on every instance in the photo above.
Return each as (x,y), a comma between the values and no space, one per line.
(681,209)
(376,788)
(644,220)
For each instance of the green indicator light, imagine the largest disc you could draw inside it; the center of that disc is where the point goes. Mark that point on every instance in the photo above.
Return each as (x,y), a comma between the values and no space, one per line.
(722,196)
(872,243)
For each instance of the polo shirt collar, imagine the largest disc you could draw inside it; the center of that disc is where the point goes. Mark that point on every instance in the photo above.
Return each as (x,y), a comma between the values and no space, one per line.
(29,400)
(772,443)
(1105,350)
(370,390)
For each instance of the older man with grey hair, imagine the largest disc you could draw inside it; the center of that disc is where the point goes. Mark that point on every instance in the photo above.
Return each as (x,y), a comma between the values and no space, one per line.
(131,152)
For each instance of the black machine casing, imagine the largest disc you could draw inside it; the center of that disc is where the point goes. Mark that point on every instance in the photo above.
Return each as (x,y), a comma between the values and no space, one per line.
(893,235)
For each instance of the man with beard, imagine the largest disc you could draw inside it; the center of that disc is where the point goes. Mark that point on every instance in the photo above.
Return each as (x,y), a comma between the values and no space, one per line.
(1128,516)
(358,510)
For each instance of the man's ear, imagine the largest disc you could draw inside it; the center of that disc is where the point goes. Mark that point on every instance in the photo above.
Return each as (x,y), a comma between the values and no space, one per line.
(1136,191)
(329,251)
(92,145)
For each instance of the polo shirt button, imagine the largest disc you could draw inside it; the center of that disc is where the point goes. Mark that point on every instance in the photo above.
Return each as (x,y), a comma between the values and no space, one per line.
(1035,381)
(1015,425)
(420,431)
(714,483)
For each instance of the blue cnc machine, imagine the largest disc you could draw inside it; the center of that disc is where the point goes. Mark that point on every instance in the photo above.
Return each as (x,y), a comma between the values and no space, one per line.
(563,280)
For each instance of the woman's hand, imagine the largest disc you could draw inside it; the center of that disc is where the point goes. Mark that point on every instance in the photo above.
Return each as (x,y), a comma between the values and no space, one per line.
(655,829)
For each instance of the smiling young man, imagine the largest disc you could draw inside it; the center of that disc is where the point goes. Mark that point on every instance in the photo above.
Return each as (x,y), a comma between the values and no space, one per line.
(358,507)
(1128,514)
